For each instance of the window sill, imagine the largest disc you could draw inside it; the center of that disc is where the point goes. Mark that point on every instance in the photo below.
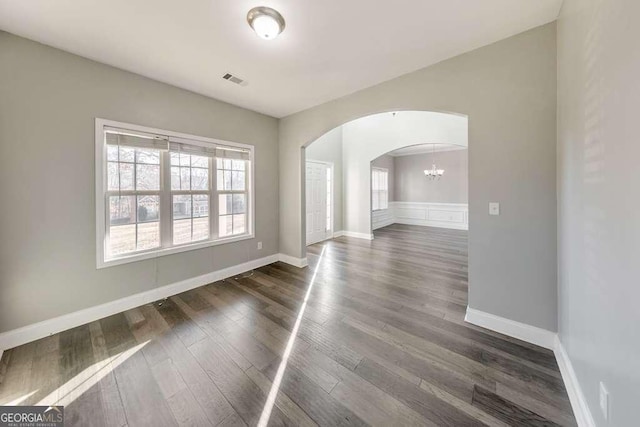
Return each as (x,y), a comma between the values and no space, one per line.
(169,251)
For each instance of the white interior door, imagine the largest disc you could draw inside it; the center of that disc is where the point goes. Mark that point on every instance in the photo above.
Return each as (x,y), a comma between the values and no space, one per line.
(316,193)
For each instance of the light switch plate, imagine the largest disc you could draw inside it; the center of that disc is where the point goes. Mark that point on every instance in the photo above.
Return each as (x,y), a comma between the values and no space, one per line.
(494,208)
(259,245)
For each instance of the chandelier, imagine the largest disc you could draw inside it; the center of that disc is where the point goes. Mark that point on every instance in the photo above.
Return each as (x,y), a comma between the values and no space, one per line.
(434,173)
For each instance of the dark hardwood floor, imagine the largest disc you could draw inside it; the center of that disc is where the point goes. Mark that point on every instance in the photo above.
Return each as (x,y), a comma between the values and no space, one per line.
(379,340)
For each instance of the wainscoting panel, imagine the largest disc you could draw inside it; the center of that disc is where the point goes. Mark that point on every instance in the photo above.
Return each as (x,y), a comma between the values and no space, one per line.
(445,215)
(382,218)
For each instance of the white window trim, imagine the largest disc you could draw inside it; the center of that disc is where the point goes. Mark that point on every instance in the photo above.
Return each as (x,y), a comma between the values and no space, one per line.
(371,193)
(101,179)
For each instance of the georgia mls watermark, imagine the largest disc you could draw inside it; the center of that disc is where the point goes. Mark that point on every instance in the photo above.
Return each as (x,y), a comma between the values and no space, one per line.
(31,416)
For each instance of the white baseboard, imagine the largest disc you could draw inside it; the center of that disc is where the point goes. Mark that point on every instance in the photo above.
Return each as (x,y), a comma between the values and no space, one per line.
(522,331)
(296,262)
(337,234)
(576,396)
(365,236)
(45,328)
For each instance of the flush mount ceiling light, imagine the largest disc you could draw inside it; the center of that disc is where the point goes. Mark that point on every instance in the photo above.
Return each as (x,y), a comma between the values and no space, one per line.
(266,22)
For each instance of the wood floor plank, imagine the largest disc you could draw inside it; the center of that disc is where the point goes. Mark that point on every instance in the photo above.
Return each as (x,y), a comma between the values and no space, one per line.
(245,396)
(186,409)
(107,387)
(429,406)
(288,407)
(317,403)
(507,411)
(136,384)
(211,400)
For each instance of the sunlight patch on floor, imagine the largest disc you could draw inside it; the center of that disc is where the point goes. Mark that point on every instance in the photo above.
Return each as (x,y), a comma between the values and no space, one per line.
(81,383)
(275,386)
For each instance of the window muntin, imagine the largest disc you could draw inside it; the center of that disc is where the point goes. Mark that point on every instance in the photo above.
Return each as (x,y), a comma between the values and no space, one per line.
(161,193)
(379,189)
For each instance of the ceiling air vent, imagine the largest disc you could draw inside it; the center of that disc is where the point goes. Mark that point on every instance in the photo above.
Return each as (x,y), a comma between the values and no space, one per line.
(234,79)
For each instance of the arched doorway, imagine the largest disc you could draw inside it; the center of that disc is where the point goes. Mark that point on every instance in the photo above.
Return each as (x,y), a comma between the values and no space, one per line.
(363,140)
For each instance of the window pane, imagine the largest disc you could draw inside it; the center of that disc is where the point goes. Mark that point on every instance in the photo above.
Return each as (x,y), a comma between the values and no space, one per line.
(224,180)
(199,179)
(375,201)
(220,180)
(175,159)
(148,235)
(226,163)
(200,205)
(219,163)
(199,162)
(185,178)
(122,239)
(126,176)
(181,231)
(127,154)
(112,176)
(238,165)
(239,203)
(147,177)
(224,204)
(148,208)
(239,224)
(185,159)
(181,207)
(175,177)
(227,180)
(122,210)
(237,181)
(151,157)
(200,228)
(112,153)
(225,225)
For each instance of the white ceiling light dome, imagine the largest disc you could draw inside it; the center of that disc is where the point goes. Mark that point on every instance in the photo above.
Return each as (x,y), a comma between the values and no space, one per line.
(266,22)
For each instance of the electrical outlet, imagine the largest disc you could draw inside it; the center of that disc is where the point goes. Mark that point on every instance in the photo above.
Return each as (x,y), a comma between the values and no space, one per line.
(259,245)
(494,208)
(604,401)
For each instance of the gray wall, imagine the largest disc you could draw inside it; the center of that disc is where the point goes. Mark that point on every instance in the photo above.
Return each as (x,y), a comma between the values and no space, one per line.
(599,200)
(412,186)
(328,148)
(386,161)
(48,102)
(508,91)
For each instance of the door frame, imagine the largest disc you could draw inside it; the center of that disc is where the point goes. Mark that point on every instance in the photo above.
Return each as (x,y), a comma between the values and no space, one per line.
(330,166)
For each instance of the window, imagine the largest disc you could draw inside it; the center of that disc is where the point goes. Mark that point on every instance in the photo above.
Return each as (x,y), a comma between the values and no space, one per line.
(379,189)
(329,173)
(160,192)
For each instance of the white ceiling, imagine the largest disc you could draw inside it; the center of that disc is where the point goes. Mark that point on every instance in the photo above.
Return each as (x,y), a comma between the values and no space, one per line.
(425,149)
(329,48)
